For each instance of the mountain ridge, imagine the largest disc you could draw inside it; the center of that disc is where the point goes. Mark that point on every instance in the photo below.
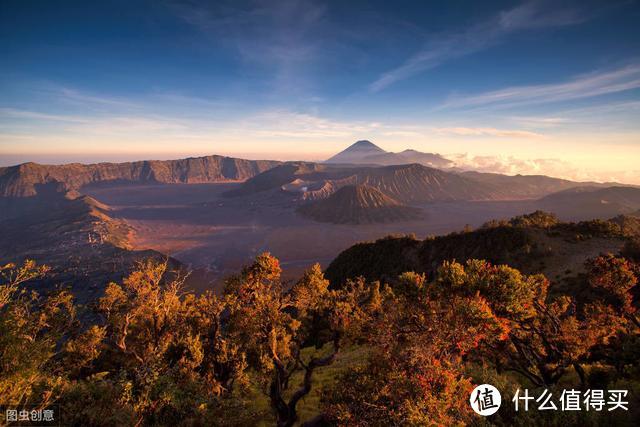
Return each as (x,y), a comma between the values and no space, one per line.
(23,180)
(409,183)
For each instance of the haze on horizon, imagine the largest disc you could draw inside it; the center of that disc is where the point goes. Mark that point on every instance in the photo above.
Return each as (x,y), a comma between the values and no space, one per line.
(532,87)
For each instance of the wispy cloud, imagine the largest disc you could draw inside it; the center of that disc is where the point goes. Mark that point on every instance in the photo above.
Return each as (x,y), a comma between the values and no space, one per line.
(266,31)
(584,86)
(282,37)
(300,125)
(285,123)
(271,124)
(403,133)
(445,47)
(482,131)
(539,121)
(104,124)
(129,125)
(35,115)
(74,96)
(612,116)
(599,109)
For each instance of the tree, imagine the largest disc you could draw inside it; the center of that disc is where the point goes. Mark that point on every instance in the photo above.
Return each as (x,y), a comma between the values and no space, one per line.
(613,278)
(31,327)
(272,326)
(142,305)
(169,347)
(613,283)
(160,355)
(414,374)
(540,219)
(546,336)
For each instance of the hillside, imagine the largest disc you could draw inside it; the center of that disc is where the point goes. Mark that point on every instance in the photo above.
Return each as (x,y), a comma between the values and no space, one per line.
(280,175)
(87,247)
(599,202)
(418,184)
(527,186)
(406,183)
(358,204)
(532,243)
(27,179)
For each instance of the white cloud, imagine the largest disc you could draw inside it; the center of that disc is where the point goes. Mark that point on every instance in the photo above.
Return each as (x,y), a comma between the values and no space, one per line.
(403,133)
(542,121)
(125,125)
(511,165)
(34,115)
(292,124)
(445,47)
(274,32)
(583,86)
(281,37)
(601,109)
(481,131)
(103,124)
(540,14)
(73,96)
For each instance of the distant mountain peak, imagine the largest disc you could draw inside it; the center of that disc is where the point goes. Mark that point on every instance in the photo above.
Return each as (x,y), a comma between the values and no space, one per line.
(365,152)
(356,151)
(362,146)
(364,143)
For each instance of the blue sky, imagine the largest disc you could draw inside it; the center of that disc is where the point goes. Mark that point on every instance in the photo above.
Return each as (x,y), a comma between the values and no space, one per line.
(530,86)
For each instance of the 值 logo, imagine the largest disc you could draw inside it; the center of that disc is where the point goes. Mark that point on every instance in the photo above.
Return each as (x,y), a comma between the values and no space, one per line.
(485,399)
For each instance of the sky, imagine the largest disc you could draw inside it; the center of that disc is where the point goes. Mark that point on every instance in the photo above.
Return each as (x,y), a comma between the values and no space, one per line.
(532,87)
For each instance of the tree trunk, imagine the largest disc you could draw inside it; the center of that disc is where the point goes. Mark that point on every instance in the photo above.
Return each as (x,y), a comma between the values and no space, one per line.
(287,413)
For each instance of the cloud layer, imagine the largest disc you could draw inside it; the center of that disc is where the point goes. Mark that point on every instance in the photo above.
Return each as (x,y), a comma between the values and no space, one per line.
(512,165)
